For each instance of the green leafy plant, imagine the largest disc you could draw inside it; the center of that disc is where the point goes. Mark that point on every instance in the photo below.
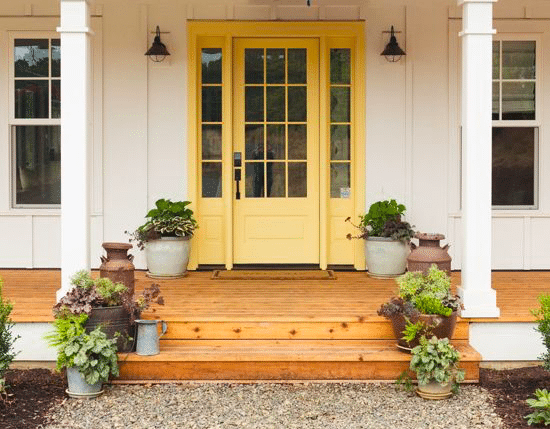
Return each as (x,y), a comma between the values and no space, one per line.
(436,360)
(542,316)
(415,330)
(422,294)
(167,219)
(384,220)
(431,305)
(541,406)
(7,339)
(423,290)
(88,293)
(66,328)
(93,355)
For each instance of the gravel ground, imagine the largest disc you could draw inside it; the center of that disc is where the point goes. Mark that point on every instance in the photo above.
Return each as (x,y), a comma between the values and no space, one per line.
(308,405)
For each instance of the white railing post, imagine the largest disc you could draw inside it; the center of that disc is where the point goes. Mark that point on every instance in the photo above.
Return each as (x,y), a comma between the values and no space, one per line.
(76,117)
(477,35)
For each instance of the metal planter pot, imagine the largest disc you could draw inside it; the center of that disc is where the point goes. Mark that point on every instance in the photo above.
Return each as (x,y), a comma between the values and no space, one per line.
(434,390)
(112,320)
(442,327)
(168,257)
(386,258)
(78,388)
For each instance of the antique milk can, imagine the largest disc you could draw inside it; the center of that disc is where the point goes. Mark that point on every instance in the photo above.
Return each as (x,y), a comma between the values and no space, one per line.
(117,265)
(429,252)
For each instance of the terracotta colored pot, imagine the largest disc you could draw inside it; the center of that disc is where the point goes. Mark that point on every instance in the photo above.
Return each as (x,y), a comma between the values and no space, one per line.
(429,252)
(117,265)
(444,327)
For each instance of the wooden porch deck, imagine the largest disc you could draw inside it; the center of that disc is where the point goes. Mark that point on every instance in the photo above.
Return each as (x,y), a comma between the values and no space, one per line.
(300,329)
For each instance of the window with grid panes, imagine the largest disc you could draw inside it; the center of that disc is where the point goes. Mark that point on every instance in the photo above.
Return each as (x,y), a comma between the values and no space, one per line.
(35,121)
(515,124)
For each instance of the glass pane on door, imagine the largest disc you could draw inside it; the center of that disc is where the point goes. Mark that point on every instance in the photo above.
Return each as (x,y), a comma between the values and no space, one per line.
(275,122)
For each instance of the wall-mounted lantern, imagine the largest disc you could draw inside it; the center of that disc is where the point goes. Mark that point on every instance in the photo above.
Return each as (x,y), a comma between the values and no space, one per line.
(392,52)
(157,52)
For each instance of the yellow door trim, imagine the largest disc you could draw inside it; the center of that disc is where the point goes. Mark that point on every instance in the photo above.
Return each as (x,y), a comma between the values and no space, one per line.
(328,33)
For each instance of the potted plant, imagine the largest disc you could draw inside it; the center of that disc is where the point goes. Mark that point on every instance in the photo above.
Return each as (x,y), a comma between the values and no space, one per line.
(107,304)
(387,238)
(424,305)
(166,238)
(101,300)
(435,363)
(89,357)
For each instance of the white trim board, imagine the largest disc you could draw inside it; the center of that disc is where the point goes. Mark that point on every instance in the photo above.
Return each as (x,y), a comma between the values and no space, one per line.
(32,346)
(506,341)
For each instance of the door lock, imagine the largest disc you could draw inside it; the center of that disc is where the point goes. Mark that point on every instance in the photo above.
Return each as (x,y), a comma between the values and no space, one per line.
(237,164)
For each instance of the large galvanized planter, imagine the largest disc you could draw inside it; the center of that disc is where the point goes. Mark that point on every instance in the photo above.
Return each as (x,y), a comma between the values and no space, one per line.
(168,257)
(79,388)
(386,258)
(113,320)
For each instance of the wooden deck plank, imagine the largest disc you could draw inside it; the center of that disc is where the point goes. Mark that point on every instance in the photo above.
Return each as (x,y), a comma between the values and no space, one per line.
(279,360)
(352,297)
(289,330)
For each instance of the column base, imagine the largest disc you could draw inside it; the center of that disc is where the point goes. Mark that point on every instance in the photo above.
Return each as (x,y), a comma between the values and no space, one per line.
(478,303)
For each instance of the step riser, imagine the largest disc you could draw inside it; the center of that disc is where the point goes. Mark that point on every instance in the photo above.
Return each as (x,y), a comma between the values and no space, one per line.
(289,330)
(379,371)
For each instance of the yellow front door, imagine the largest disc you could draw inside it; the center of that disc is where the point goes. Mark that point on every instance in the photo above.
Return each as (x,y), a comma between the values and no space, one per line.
(276,137)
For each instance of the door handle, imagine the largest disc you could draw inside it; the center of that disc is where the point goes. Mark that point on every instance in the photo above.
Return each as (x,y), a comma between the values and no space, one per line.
(237,163)
(237,180)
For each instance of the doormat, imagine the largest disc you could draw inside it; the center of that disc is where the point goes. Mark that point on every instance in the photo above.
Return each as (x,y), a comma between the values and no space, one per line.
(272,275)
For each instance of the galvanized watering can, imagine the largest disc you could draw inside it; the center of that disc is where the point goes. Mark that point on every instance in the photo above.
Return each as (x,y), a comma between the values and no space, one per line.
(148,336)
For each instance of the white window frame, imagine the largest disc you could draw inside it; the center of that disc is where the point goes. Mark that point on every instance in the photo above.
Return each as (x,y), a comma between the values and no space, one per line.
(536,123)
(13,121)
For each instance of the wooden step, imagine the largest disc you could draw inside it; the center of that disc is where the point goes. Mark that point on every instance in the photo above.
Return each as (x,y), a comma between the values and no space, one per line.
(378,329)
(279,360)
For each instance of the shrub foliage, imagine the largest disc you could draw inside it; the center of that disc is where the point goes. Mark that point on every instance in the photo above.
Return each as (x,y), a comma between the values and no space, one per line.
(542,315)
(7,338)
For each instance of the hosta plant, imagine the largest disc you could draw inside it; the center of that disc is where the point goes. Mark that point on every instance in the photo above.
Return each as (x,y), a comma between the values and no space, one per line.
(541,408)
(167,219)
(436,360)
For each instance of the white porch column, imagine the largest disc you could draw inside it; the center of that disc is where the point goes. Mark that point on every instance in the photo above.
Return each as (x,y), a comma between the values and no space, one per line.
(76,117)
(479,298)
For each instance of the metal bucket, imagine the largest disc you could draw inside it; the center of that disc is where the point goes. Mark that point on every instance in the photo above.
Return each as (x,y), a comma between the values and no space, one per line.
(148,336)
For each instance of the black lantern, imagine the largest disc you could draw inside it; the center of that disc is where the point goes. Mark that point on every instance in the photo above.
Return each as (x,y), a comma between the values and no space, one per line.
(392,52)
(157,52)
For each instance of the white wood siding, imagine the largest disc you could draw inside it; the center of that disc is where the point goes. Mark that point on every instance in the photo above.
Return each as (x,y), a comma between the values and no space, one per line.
(140,117)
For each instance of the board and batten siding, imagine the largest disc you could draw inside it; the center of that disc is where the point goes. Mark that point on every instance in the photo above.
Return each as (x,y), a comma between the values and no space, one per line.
(140,119)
